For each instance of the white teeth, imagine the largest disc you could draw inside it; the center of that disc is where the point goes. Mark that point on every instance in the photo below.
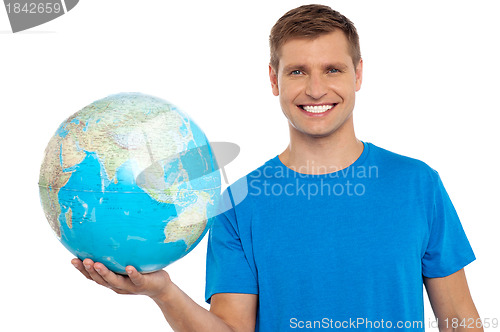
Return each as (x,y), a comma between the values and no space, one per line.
(317,109)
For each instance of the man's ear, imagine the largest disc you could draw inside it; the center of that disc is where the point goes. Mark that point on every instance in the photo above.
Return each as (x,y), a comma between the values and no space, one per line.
(273,76)
(359,74)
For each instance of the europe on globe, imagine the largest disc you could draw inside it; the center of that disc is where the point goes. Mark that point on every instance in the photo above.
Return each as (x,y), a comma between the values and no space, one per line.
(129,180)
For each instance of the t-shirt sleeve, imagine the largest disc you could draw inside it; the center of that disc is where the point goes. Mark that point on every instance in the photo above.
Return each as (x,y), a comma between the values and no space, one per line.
(228,270)
(448,249)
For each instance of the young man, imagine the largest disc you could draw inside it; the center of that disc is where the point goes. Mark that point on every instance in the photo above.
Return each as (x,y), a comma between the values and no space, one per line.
(333,232)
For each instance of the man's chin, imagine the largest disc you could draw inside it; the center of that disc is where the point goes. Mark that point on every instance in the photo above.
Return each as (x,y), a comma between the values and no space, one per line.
(317,133)
(322,132)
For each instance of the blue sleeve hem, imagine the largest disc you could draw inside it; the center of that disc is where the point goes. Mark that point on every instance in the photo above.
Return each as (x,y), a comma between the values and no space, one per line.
(239,290)
(451,270)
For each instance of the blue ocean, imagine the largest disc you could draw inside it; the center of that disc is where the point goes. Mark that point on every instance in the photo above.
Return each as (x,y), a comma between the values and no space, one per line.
(118,227)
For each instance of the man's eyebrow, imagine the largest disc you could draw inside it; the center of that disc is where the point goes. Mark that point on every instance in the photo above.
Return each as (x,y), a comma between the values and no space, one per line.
(289,68)
(337,65)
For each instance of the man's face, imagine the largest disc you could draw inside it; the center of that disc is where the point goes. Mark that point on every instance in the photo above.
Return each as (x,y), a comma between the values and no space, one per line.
(316,83)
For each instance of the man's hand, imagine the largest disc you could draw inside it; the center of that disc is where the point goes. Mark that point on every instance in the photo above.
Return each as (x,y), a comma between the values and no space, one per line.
(231,312)
(154,284)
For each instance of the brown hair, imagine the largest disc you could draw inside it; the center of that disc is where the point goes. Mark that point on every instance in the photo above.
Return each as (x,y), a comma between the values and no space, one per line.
(311,21)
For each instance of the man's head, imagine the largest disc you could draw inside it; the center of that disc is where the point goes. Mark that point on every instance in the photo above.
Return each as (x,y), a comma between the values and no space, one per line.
(311,21)
(316,71)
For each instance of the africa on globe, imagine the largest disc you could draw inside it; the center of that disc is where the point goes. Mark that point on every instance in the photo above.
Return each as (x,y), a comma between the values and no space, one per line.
(129,180)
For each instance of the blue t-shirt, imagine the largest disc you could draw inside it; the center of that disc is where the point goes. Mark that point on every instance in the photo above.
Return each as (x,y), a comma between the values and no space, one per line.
(347,249)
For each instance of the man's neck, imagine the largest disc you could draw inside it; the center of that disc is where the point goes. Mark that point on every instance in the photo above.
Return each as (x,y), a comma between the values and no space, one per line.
(311,155)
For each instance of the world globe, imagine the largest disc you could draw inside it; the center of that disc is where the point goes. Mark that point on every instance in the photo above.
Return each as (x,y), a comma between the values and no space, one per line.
(129,180)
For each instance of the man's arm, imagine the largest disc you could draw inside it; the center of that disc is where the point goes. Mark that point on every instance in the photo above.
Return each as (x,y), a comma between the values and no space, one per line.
(238,310)
(228,312)
(451,302)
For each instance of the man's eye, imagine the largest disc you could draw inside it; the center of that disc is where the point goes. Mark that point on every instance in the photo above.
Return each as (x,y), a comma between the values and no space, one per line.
(333,70)
(295,72)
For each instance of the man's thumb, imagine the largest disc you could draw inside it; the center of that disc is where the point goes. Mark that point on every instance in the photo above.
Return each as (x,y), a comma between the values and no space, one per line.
(136,278)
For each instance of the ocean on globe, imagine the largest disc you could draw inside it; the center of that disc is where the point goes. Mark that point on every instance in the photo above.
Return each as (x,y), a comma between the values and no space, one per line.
(129,180)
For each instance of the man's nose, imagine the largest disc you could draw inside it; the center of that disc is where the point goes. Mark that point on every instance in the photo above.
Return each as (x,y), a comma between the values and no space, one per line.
(316,87)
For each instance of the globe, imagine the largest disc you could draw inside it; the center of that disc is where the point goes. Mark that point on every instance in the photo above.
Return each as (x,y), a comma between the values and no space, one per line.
(129,180)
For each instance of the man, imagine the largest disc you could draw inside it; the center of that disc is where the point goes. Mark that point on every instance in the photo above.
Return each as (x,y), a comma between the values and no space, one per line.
(334,232)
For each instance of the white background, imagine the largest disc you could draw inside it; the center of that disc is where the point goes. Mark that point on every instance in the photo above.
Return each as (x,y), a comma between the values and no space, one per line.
(430,91)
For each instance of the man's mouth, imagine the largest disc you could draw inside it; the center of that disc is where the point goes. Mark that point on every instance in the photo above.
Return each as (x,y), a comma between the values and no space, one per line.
(317,108)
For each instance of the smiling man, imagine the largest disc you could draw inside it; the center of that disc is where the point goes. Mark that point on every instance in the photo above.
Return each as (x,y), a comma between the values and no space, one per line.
(334,232)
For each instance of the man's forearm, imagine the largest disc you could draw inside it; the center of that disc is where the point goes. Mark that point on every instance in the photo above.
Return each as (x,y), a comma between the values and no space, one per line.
(183,314)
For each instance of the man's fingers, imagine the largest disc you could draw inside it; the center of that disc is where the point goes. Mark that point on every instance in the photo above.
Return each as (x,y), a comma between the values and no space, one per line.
(115,281)
(90,268)
(78,264)
(99,273)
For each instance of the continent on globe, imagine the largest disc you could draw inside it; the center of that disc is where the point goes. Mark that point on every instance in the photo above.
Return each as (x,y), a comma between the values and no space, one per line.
(129,180)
